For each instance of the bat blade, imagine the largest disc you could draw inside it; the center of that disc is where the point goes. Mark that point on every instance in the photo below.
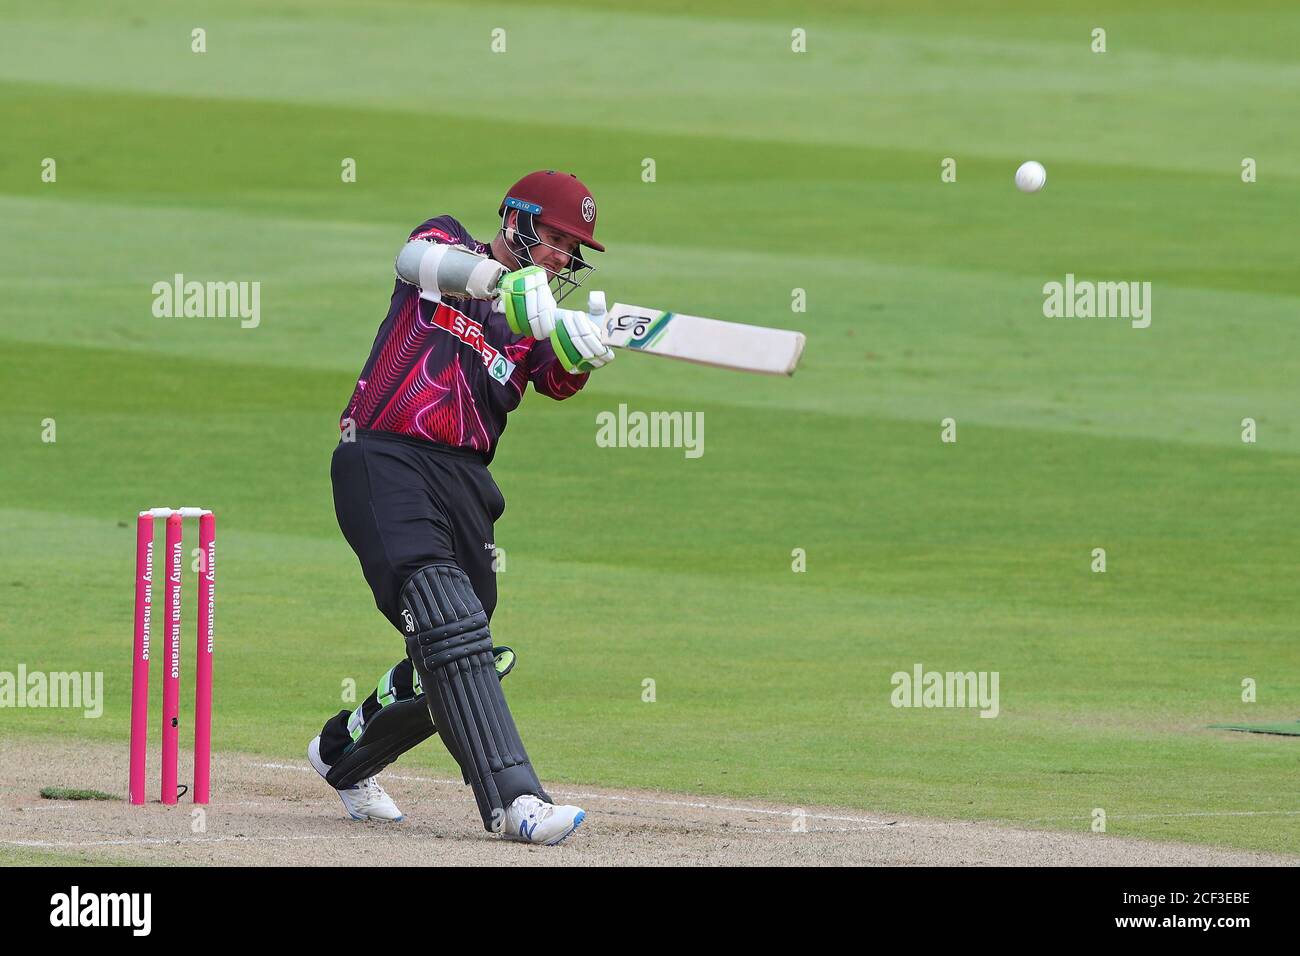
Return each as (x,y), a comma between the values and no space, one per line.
(692,338)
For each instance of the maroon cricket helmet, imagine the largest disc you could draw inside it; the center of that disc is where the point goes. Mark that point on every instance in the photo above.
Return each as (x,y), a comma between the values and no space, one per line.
(558,200)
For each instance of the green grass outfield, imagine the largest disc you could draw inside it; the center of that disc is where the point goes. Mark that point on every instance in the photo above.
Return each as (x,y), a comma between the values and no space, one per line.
(774,171)
(22,856)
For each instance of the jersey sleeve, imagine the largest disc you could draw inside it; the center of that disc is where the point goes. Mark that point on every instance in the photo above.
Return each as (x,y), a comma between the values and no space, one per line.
(442,229)
(549,376)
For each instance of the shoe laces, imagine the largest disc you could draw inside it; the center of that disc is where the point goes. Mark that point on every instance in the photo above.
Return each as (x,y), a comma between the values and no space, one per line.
(534,808)
(371,788)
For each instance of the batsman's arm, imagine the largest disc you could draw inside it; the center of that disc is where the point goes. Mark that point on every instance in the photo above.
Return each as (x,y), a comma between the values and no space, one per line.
(524,296)
(450,270)
(549,376)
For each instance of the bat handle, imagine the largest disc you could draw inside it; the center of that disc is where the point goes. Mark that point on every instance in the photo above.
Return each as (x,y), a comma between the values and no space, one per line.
(596,311)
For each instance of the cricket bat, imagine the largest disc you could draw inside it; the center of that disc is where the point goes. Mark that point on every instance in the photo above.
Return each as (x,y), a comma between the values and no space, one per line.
(691,338)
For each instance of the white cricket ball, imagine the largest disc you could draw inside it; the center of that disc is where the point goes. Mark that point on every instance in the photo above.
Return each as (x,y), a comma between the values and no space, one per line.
(1031,177)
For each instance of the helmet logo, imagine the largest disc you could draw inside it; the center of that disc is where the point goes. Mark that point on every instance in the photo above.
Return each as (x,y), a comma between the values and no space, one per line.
(588,209)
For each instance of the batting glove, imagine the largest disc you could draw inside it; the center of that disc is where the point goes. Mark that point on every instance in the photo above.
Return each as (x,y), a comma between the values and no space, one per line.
(528,302)
(577,339)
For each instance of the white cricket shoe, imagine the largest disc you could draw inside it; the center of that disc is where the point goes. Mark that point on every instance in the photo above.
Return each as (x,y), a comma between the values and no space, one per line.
(531,820)
(366,800)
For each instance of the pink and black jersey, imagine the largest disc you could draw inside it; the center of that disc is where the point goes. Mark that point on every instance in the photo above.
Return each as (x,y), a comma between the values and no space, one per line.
(450,371)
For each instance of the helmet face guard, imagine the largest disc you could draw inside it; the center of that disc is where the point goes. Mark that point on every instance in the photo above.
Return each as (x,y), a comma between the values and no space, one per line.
(524,238)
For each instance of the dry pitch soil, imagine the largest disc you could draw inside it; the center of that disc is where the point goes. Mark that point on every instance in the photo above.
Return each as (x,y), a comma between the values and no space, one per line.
(272,813)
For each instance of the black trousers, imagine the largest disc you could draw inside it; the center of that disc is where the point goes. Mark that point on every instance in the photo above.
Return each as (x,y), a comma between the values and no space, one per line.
(402,505)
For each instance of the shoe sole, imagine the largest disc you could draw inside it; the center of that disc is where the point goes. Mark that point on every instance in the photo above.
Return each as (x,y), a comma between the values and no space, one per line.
(577,822)
(366,819)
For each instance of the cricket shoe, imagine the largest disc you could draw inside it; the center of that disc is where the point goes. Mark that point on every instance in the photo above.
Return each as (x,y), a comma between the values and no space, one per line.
(531,820)
(366,800)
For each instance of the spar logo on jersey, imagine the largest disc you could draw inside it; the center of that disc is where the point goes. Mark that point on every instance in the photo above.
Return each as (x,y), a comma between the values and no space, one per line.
(471,333)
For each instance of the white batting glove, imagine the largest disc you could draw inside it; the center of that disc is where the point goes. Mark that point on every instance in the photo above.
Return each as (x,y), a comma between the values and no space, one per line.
(528,302)
(578,340)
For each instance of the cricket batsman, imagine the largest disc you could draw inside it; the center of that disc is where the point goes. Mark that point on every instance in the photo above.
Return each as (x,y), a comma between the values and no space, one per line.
(470,325)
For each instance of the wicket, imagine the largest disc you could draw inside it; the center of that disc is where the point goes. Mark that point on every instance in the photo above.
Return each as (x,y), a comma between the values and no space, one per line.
(144,577)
